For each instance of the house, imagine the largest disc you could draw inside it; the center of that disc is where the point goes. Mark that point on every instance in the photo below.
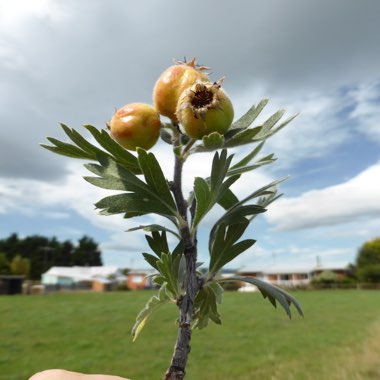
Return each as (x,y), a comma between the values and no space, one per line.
(96,278)
(138,279)
(102,284)
(288,277)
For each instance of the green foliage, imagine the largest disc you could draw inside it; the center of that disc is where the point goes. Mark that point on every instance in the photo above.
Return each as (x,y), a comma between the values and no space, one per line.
(139,197)
(208,193)
(87,151)
(143,189)
(206,305)
(368,261)
(154,303)
(369,253)
(273,293)
(44,252)
(326,277)
(20,265)
(369,273)
(224,246)
(4,264)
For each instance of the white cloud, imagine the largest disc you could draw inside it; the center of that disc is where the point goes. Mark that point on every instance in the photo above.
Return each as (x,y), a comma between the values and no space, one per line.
(366,111)
(318,130)
(14,14)
(353,200)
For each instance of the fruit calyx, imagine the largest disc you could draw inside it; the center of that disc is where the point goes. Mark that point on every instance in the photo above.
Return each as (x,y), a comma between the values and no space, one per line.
(201,97)
(193,64)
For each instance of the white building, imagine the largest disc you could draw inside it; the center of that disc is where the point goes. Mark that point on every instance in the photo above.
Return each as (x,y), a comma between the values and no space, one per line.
(80,277)
(288,277)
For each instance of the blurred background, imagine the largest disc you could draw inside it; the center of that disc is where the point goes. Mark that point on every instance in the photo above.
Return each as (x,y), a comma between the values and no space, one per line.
(76,62)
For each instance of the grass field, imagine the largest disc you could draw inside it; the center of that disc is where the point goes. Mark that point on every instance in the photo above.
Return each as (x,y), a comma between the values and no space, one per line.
(339,338)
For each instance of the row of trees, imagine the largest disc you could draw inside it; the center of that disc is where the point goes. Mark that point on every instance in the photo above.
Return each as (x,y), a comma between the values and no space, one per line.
(365,270)
(34,255)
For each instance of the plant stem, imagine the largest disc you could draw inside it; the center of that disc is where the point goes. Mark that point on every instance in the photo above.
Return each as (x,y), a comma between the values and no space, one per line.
(176,370)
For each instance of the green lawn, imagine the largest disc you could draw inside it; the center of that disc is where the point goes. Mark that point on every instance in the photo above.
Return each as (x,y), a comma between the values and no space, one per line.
(339,338)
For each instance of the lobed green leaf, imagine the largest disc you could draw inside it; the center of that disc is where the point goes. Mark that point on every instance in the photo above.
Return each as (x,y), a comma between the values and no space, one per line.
(271,292)
(154,227)
(158,242)
(153,304)
(249,117)
(248,158)
(155,178)
(120,155)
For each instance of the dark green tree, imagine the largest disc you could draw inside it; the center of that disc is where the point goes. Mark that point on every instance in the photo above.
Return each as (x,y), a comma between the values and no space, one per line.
(4,264)
(20,266)
(368,261)
(43,252)
(86,253)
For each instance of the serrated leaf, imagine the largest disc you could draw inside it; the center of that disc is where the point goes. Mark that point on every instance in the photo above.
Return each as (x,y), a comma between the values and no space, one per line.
(203,199)
(269,129)
(220,166)
(218,291)
(153,227)
(80,141)
(168,267)
(223,247)
(181,276)
(153,304)
(121,155)
(249,117)
(249,168)
(130,203)
(69,150)
(271,292)
(151,260)
(155,178)
(237,214)
(222,238)
(265,190)
(228,199)
(272,120)
(284,124)
(245,136)
(158,242)
(109,183)
(205,306)
(208,193)
(110,169)
(114,176)
(249,157)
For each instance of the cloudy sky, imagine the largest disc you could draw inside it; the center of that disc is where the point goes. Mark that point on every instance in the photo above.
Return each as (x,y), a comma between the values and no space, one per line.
(76,61)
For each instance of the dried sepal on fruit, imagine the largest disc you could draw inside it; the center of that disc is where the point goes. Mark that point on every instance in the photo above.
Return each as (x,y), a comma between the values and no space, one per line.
(205,108)
(171,84)
(135,125)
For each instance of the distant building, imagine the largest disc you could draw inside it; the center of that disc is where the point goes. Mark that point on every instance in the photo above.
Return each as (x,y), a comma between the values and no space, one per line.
(11,284)
(98,278)
(288,277)
(140,279)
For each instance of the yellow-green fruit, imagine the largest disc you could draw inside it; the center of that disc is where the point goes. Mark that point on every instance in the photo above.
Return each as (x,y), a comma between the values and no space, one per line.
(171,84)
(204,108)
(136,125)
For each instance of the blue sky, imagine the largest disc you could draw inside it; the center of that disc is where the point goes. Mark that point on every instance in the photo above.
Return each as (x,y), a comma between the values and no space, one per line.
(76,61)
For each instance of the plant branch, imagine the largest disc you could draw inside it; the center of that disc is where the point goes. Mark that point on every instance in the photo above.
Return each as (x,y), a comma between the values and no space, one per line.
(176,370)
